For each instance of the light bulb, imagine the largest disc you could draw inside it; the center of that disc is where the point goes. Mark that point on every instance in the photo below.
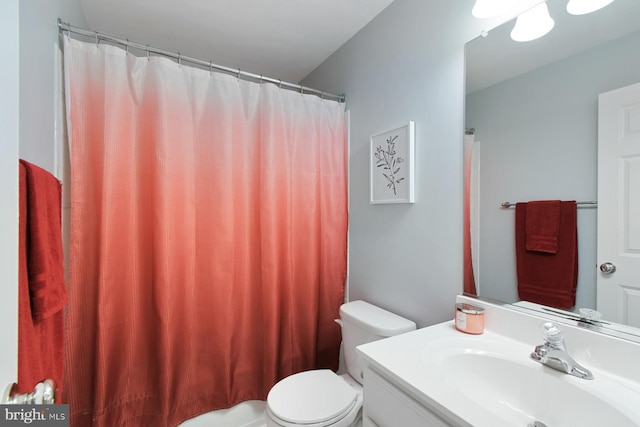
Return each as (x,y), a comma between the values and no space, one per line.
(490,8)
(582,7)
(532,24)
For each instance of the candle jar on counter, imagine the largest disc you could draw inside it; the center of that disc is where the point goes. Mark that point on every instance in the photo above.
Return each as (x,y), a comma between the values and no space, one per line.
(469,318)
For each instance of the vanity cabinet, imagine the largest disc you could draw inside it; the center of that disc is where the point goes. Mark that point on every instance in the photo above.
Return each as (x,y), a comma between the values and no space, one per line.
(385,405)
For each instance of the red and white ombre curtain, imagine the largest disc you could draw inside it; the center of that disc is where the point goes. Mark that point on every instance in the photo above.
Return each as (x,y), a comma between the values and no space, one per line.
(208,237)
(470,213)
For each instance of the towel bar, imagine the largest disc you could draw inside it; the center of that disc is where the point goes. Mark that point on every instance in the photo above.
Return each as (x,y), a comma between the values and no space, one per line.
(508,205)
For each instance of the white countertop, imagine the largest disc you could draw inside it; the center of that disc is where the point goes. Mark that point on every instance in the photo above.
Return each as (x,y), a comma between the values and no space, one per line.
(414,363)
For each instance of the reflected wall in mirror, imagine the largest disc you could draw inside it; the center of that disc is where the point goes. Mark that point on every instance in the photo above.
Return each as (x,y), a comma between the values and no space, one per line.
(534,108)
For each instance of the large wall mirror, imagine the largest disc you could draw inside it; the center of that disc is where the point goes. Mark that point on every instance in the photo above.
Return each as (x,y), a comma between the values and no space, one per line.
(533,107)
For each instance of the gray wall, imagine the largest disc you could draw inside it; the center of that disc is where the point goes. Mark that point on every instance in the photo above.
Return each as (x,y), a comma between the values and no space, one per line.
(408,64)
(39,120)
(29,34)
(9,124)
(538,137)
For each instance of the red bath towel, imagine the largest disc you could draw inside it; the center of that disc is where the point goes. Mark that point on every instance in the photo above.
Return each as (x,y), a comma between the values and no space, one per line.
(542,226)
(548,278)
(42,290)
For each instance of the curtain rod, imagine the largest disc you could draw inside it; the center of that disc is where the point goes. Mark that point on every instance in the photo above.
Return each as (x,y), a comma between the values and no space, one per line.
(507,205)
(63,26)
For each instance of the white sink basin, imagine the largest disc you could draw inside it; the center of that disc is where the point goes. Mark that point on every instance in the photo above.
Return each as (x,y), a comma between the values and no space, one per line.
(489,380)
(498,377)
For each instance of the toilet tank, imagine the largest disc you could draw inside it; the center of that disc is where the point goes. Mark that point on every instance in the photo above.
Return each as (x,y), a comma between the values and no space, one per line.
(363,323)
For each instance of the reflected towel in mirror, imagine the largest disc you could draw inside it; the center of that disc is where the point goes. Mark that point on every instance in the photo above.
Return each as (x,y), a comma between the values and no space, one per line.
(546,278)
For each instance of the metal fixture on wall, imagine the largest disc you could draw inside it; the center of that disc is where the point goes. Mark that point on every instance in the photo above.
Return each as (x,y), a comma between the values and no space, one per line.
(44,393)
(489,8)
(582,7)
(535,22)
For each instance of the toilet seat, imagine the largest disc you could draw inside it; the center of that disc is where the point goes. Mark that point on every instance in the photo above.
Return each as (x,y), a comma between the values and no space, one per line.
(315,398)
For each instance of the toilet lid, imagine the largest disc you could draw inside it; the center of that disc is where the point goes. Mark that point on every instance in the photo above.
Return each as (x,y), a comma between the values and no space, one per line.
(311,397)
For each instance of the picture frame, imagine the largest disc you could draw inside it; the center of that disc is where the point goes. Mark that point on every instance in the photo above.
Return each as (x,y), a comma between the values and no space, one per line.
(391,168)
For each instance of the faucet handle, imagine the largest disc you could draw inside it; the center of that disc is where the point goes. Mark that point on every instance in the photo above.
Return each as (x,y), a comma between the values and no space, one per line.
(540,353)
(552,334)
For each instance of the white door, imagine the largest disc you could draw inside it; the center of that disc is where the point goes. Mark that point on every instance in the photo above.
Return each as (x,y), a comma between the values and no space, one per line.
(618,256)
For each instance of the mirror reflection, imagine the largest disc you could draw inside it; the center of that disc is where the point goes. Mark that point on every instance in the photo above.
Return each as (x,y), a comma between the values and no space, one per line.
(533,107)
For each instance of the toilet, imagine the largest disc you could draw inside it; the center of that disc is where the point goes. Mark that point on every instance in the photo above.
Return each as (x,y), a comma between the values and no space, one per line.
(320,398)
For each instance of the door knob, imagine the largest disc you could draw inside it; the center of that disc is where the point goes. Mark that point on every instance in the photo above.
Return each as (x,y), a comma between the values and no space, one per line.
(607,268)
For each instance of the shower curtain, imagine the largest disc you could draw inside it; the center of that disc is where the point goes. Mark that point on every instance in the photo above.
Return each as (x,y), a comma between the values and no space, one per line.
(469,282)
(208,237)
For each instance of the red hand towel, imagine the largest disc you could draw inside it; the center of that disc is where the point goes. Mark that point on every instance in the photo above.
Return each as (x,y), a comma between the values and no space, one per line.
(42,290)
(543,226)
(545,278)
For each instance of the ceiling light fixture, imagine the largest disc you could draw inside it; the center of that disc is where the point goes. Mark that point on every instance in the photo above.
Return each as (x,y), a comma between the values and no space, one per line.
(490,8)
(582,7)
(532,24)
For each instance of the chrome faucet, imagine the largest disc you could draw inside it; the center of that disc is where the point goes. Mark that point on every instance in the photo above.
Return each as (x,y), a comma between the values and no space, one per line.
(553,353)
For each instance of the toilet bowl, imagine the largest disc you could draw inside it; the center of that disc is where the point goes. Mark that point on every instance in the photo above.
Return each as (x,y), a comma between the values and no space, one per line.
(317,398)
(322,398)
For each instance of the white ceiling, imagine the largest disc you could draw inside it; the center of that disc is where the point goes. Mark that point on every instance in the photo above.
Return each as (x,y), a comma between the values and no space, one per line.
(282,39)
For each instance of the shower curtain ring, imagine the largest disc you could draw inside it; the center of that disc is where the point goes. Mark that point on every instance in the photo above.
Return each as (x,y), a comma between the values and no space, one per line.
(148,52)
(260,78)
(97,39)
(238,74)
(210,67)
(280,84)
(179,60)
(127,46)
